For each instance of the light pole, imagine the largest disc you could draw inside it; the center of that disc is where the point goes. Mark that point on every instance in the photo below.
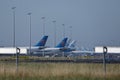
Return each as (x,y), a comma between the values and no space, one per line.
(13,8)
(54,22)
(63,35)
(17,58)
(105,50)
(63,30)
(70,32)
(30,33)
(43,18)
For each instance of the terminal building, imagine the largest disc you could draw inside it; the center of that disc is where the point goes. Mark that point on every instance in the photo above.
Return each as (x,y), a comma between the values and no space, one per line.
(111,53)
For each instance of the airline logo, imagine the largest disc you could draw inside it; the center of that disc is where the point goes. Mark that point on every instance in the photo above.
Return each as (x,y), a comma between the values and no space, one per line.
(63,44)
(42,41)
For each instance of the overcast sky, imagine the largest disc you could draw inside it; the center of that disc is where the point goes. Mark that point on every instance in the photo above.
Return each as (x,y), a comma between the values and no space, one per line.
(94,22)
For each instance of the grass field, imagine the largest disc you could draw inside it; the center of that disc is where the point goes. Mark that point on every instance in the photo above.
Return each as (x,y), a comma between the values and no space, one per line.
(58,71)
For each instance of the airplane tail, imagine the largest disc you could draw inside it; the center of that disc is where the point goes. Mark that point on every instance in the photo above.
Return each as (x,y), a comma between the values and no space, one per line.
(72,44)
(42,42)
(68,42)
(62,43)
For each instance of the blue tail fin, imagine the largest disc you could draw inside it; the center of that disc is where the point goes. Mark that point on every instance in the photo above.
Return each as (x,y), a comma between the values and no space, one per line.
(42,42)
(62,43)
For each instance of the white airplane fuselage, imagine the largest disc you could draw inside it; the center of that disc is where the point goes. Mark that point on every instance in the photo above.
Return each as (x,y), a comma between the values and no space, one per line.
(51,50)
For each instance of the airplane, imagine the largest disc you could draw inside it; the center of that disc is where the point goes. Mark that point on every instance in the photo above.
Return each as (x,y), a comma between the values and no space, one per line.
(58,48)
(82,52)
(70,46)
(85,51)
(39,45)
(79,51)
(70,49)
